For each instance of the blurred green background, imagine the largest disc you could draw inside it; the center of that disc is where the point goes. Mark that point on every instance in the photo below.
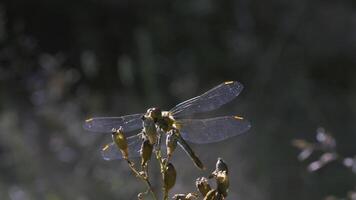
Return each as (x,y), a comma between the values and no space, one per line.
(64,61)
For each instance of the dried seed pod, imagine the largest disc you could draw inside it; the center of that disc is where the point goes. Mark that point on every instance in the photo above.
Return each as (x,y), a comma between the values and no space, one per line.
(119,138)
(169,177)
(301,144)
(328,157)
(171,142)
(146,151)
(189,196)
(211,195)
(221,166)
(325,139)
(202,185)
(351,163)
(149,130)
(222,181)
(179,197)
(305,154)
(305,147)
(314,166)
(323,160)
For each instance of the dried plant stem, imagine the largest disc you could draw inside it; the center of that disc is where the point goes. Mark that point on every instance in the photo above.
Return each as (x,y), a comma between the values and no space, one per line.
(163,166)
(165,194)
(143,177)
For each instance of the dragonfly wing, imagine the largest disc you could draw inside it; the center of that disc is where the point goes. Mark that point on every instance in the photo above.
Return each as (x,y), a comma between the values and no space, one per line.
(208,101)
(202,131)
(112,152)
(106,124)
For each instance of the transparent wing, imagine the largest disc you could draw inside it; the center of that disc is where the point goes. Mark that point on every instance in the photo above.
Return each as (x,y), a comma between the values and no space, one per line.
(208,101)
(202,131)
(111,151)
(106,124)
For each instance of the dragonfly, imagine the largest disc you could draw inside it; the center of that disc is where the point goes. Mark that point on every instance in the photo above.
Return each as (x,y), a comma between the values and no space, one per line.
(198,131)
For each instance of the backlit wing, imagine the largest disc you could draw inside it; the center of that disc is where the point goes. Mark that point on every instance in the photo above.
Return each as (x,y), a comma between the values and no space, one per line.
(112,152)
(106,124)
(210,130)
(208,101)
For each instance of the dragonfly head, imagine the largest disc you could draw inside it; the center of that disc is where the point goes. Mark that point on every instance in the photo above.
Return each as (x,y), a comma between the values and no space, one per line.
(155,113)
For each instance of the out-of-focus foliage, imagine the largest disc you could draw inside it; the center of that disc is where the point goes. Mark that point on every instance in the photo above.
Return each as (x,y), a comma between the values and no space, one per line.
(327,154)
(63,61)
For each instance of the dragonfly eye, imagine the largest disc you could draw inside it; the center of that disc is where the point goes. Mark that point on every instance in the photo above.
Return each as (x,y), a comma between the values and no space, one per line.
(155,113)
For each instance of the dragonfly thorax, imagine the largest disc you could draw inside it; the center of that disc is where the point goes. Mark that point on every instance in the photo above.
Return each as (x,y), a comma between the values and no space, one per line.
(163,119)
(166,123)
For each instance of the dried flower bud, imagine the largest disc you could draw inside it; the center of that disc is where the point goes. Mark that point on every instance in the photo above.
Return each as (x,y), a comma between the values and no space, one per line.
(304,154)
(328,157)
(323,160)
(314,166)
(326,140)
(301,144)
(188,196)
(305,147)
(171,142)
(222,181)
(221,166)
(191,196)
(119,139)
(351,163)
(202,185)
(169,177)
(179,197)
(149,130)
(211,195)
(145,152)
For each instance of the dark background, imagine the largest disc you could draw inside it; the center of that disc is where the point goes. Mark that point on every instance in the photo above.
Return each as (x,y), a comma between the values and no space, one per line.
(64,61)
